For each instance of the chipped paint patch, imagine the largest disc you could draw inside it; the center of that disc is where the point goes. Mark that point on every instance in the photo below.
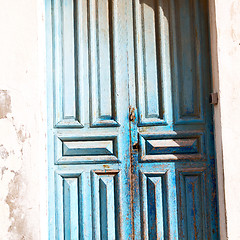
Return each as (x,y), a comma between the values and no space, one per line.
(13,188)
(3,152)
(17,214)
(5,103)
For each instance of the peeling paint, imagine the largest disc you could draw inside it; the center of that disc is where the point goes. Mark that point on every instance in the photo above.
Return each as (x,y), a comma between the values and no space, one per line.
(14,188)
(3,171)
(5,103)
(22,135)
(16,211)
(3,152)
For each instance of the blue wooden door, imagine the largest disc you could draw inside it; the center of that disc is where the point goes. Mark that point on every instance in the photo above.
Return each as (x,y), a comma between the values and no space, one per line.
(130,133)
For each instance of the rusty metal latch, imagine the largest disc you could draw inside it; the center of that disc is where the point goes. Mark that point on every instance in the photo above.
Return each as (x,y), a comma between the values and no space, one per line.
(132,114)
(135,146)
(213,98)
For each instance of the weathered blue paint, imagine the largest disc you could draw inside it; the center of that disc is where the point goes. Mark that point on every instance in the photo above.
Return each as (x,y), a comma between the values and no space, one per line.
(130,133)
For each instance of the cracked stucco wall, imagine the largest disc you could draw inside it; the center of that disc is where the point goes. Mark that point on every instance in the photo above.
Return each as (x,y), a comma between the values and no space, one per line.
(22,120)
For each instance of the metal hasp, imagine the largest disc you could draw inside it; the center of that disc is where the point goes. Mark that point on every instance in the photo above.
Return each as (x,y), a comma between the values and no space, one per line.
(131,114)
(213,98)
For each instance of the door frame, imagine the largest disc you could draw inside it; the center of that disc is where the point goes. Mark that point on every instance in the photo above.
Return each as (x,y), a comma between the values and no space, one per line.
(45,46)
(217,120)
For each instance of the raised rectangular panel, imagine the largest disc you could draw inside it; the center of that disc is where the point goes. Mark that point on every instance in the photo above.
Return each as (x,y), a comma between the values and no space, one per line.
(189,83)
(73,205)
(153,61)
(81,150)
(172,147)
(102,33)
(192,204)
(67,206)
(86,148)
(154,206)
(70,206)
(65,63)
(105,199)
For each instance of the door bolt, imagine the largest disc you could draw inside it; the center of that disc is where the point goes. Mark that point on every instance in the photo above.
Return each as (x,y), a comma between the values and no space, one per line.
(132,114)
(136,146)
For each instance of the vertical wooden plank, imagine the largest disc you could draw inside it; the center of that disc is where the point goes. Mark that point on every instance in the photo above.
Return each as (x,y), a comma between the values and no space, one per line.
(189,88)
(93,59)
(152,43)
(102,34)
(150,35)
(155,208)
(107,207)
(119,214)
(121,90)
(143,206)
(165,48)
(66,85)
(95,206)
(49,19)
(186,87)
(172,200)
(69,80)
(193,223)
(70,208)
(85,203)
(57,60)
(105,193)
(59,222)
(193,207)
(82,60)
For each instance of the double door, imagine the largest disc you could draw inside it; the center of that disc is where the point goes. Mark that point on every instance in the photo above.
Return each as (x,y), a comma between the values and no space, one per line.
(130,135)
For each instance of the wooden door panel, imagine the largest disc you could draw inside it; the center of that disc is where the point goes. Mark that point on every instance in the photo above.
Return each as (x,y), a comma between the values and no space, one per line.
(176,138)
(106,197)
(89,186)
(102,29)
(67,111)
(191,73)
(172,146)
(86,149)
(151,32)
(154,205)
(192,204)
(67,204)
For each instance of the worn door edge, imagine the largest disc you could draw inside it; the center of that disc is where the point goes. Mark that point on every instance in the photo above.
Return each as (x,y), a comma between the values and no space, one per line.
(217,121)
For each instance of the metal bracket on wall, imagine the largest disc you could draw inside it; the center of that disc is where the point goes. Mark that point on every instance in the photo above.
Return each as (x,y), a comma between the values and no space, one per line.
(213,98)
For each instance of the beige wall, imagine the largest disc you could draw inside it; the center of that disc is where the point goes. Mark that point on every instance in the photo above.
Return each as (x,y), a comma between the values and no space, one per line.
(226,70)
(23,117)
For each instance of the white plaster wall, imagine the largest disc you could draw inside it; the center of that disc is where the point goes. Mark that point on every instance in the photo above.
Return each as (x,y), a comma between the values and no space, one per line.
(22,120)
(225,33)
